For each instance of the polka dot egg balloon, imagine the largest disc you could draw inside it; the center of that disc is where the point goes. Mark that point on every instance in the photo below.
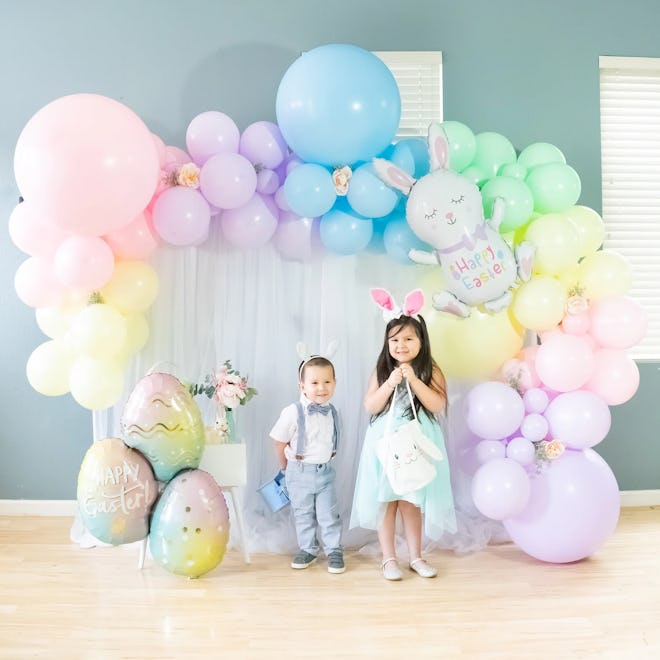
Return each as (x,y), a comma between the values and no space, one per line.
(190,525)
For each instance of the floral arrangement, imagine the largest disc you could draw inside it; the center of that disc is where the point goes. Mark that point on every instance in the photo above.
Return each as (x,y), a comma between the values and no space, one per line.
(229,390)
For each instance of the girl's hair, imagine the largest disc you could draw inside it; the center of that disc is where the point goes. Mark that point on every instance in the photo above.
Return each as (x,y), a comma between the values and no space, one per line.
(314,361)
(423,364)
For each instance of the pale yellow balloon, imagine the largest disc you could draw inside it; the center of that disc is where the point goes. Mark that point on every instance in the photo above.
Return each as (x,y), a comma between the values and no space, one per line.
(570,278)
(48,368)
(137,335)
(605,273)
(474,347)
(95,383)
(540,304)
(133,287)
(55,322)
(556,242)
(98,330)
(590,228)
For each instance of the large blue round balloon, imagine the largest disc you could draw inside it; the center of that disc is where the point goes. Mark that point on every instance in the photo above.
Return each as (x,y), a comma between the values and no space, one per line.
(338,104)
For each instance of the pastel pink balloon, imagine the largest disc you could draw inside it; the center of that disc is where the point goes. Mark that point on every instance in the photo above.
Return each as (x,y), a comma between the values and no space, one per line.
(251,225)
(31,233)
(136,240)
(84,262)
(160,149)
(174,155)
(576,324)
(227,180)
(564,362)
(572,510)
(88,162)
(181,216)
(37,285)
(617,322)
(211,133)
(615,377)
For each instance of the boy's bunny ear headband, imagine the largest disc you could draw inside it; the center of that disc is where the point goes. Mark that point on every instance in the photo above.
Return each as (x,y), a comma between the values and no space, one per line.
(306,356)
(412,303)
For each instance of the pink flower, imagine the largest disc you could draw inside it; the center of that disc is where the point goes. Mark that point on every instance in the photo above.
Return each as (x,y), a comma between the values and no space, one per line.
(577,304)
(341,177)
(554,449)
(188,175)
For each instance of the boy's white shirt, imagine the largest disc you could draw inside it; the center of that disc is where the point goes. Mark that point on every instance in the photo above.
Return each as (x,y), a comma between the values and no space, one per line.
(318,431)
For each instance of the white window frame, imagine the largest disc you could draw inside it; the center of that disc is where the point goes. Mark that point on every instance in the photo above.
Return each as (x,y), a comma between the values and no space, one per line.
(418,75)
(630,161)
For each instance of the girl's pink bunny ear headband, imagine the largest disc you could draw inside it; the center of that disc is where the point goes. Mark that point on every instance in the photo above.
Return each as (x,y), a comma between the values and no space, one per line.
(412,303)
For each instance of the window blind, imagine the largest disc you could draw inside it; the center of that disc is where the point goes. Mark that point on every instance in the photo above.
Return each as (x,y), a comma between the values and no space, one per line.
(630,159)
(419,77)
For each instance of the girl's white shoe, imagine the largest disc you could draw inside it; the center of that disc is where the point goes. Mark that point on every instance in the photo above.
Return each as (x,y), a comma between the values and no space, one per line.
(391,570)
(420,567)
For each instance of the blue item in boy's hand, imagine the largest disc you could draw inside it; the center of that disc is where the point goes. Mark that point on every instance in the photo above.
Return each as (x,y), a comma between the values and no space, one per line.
(275,493)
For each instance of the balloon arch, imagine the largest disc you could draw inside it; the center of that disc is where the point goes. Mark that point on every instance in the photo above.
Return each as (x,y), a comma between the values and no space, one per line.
(101,192)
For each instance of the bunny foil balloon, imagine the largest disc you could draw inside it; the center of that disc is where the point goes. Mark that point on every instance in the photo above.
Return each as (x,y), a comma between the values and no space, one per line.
(445,210)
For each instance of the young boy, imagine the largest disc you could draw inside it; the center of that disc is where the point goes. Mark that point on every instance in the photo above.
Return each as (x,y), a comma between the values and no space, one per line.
(305,438)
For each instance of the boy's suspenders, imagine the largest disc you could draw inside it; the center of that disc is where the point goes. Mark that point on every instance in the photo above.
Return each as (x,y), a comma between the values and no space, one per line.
(300,443)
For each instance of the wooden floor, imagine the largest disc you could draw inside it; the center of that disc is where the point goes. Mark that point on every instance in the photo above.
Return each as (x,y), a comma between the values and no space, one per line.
(60,601)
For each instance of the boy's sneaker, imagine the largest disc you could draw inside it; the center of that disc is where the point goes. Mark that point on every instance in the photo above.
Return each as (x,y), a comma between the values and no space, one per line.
(336,562)
(303,560)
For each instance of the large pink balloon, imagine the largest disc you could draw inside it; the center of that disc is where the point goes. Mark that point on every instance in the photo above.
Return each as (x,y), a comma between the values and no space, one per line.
(564,362)
(573,509)
(617,322)
(579,419)
(88,162)
(615,377)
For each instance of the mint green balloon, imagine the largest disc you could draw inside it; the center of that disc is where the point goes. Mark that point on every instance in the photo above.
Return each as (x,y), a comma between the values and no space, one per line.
(462,145)
(475,174)
(540,153)
(555,187)
(519,203)
(493,151)
(514,170)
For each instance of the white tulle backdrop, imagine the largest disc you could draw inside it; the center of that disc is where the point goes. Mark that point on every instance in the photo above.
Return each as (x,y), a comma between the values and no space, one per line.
(217,302)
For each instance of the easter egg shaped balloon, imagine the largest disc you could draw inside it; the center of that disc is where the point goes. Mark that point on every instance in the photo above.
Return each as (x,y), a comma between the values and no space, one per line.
(162,420)
(116,489)
(190,525)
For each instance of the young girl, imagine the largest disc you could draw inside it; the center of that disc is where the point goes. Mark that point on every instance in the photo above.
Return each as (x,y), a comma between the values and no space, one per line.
(406,354)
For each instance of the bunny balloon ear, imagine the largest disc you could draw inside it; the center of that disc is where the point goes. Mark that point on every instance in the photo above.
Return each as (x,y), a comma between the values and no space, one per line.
(301,350)
(413,303)
(331,349)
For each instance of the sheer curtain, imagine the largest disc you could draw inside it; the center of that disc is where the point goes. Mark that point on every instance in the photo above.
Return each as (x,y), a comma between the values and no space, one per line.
(217,302)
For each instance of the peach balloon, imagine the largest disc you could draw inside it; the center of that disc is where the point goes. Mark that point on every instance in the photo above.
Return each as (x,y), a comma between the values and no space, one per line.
(137,240)
(615,376)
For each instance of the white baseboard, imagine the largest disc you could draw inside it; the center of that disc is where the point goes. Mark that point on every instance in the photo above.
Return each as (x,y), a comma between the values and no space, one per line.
(629,498)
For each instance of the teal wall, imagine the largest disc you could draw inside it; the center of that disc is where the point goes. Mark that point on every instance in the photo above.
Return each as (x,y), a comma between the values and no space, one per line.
(526,70)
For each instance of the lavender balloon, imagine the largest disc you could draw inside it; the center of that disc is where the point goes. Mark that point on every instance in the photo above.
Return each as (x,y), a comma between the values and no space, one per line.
(579,419)
(262,144)
(228,180)
(573,509)
(500,488)
(535,400)
(181,216)
(521,450)
(211,133)
(251,225)
(534,427)
(488,450)
(494,410)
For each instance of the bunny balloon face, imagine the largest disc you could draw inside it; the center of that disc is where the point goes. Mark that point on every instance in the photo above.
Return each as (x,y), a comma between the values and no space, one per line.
(445,210)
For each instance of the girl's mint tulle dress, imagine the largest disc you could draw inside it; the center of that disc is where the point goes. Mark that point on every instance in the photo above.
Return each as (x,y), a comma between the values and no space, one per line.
(373,491)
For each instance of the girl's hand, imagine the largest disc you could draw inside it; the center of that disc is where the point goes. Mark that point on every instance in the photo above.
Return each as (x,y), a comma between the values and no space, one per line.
(395,378)
(407,372)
